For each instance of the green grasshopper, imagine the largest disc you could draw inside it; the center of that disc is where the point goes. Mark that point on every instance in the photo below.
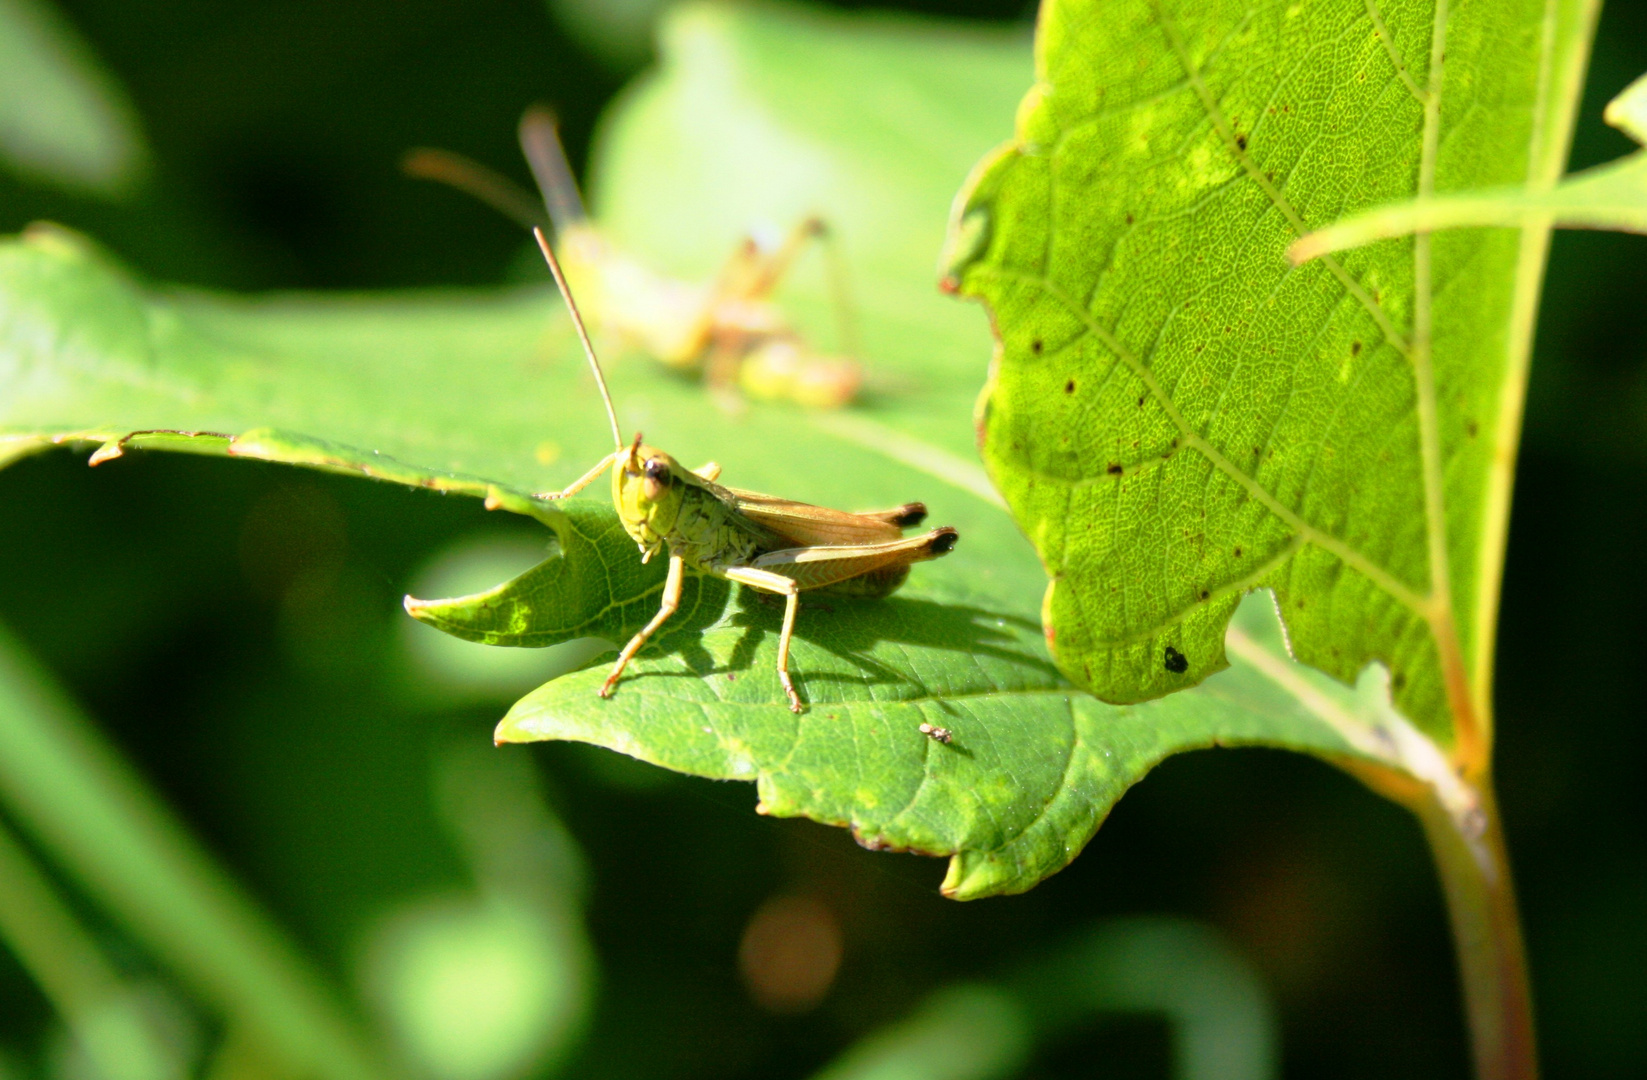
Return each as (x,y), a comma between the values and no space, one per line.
(775,545)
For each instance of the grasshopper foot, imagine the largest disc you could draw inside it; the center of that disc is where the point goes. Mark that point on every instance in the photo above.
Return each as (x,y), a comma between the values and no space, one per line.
(789,688)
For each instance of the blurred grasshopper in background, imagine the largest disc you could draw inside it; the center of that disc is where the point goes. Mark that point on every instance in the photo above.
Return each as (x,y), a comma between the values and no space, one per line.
(767,543)
(728,332)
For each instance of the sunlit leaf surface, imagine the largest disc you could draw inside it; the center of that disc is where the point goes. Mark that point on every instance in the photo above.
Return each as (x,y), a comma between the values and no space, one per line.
(1179,415)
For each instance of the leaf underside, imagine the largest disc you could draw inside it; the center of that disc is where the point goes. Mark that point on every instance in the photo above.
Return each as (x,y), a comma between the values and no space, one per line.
(1177,415)
(1611,196)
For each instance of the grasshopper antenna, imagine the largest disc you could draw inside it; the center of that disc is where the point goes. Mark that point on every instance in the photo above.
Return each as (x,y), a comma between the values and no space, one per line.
(473,178)
(583,334)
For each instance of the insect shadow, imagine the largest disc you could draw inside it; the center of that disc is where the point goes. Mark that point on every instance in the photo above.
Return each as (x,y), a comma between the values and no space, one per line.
(849,628)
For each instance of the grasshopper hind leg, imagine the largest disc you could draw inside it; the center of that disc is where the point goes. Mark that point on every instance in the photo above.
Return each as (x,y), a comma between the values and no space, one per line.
(791,592)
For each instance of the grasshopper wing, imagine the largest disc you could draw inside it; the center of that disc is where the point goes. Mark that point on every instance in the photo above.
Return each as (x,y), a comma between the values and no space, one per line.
(803,525)
(863,569)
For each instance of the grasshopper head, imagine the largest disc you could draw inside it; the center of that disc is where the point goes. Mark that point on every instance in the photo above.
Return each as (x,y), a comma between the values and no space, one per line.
(647,493)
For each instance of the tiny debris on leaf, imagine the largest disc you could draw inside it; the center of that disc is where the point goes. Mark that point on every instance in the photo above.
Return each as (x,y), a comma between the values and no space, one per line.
(937,734)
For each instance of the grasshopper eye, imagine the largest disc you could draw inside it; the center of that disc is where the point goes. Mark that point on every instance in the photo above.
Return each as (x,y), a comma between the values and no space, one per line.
(658,478)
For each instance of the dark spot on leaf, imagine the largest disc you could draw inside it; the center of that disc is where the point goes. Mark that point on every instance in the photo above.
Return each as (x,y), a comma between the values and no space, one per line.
(1069,387)
(1129,219)
(1398,680)
(1237,553)
(1205,594)
(1036,346)
(1140,403)
(1471,428)
(1241,142)
(1114,469)
(1355,348)
(1176,662)
(731,676)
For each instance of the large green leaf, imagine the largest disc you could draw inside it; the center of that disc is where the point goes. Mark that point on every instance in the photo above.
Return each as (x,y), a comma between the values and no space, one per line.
(486,394)
(1178,415)
(1610,196)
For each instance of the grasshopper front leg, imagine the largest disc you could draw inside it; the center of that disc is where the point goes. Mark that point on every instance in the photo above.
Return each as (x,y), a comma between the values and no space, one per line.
(787,588)
(583,481)
(671,601)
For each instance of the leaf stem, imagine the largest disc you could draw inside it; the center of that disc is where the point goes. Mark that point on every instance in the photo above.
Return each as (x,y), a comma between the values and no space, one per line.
(1475,876)
(96,819)
(65,962)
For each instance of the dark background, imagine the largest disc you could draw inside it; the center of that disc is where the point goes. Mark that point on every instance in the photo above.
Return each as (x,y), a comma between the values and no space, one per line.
(277,126)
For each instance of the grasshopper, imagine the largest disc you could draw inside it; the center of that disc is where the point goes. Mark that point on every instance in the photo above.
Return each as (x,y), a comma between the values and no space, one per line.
(776,545)
(727,332)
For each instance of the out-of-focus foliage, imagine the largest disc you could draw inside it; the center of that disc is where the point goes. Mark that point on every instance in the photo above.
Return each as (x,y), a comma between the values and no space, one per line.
(63,120)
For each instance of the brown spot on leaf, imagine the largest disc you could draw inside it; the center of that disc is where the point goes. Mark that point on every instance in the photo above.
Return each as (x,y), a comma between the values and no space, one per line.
(1355,348)
(1114,469)
(1069,387)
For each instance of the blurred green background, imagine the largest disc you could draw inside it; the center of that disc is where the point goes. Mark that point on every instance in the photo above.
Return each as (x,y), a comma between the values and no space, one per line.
(235,630)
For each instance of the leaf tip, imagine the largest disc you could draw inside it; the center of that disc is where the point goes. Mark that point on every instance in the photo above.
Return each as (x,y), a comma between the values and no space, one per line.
(107,452)
(1628,111)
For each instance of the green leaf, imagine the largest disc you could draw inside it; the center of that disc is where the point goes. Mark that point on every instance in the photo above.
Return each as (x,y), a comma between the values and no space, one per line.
(487,395)
(63,118)
(1611,196)
(1179,416)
